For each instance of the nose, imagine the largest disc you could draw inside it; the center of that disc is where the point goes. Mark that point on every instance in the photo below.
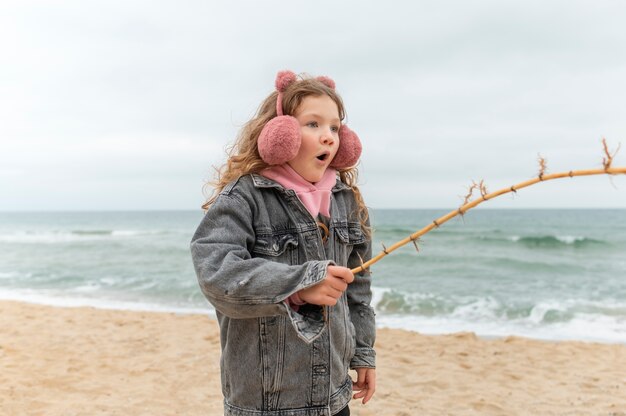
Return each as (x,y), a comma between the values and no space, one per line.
(327,137)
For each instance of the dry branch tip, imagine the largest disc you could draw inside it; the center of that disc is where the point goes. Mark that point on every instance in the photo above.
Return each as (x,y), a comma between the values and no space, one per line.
(542,166)
(470,191)
(362,263)
(414,241)
(608,159)
(483,189)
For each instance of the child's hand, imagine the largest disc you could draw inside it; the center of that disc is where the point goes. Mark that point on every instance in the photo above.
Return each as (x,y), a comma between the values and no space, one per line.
(365,384)
(330,289)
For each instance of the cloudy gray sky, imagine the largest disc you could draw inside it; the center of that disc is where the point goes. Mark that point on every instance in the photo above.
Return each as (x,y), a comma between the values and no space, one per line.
(127,104)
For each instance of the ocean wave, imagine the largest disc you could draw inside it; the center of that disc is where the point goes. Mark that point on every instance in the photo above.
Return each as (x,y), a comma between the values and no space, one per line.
(402,232)
(575,319)
(489,316)
(393,301)
(61,299)
(547,241)
(68,236)
(393,230)
(488,307)
(90,232)
(8,275)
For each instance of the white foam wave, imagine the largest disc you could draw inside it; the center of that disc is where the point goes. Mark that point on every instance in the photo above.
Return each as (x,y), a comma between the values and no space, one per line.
(481,308)
(52,237)
(570,319)
(52,298)
(565,239)
(87,288)
(377,295)
(583,327)
(590,321)
(539,312)
(570,239)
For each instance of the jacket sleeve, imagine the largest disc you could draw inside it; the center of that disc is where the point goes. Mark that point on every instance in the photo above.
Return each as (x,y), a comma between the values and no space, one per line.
(362,314)
(241,286)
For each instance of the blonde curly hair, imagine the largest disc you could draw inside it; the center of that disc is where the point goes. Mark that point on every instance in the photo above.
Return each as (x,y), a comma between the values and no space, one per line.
(243,154)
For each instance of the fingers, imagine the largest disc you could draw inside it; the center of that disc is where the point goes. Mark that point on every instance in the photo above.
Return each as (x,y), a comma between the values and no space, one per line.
(328,301)
(342,273)
(365,384)
(320,295)
(333,288)
(328,291)
(367,393)
(371,384)
(318,298)
(338,285)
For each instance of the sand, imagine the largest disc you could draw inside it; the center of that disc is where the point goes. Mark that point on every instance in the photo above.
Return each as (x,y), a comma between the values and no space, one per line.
(86,361)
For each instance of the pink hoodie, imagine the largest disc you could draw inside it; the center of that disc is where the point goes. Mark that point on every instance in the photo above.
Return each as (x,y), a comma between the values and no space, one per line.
(314,196)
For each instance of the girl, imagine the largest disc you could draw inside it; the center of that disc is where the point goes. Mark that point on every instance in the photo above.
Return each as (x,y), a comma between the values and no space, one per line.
(273,255)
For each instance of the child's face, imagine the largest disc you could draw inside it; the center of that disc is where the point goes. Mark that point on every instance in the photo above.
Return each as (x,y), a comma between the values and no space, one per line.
(319,124)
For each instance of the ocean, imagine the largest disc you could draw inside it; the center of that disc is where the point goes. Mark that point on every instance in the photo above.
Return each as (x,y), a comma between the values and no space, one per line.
(545,274)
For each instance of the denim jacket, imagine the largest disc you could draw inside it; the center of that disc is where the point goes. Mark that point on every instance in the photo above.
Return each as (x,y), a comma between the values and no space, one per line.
(256,246)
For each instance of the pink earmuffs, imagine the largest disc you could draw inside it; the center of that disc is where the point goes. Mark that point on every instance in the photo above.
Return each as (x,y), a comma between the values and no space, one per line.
(280,138)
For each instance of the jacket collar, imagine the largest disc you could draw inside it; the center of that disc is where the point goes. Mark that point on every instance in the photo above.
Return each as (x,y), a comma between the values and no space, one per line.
(260,181)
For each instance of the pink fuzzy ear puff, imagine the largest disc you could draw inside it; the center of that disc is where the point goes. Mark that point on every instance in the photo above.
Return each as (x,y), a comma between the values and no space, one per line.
(284,79)
(349,149)
(326,81)
(279,140)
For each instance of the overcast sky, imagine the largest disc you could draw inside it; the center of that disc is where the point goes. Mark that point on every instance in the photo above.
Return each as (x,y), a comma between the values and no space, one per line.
(127,104)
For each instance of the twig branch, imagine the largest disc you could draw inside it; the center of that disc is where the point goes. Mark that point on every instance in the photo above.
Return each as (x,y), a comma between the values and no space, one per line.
(470,191)
(483,189)
(608,159)
(467,205)
(542,166)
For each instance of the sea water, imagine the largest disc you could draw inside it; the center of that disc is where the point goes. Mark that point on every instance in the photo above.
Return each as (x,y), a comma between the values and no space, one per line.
(548,274)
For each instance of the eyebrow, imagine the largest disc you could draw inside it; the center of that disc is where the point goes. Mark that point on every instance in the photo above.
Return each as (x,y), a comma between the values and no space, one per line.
(319,116)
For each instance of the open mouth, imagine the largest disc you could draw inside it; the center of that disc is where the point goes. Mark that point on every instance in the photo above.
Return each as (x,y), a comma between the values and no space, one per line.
(323,156)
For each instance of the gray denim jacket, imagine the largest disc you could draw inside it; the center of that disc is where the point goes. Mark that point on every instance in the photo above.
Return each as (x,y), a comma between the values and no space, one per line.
(256,246)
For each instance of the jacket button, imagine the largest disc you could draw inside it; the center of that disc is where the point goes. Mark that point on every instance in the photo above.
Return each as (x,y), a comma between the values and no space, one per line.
(319,369)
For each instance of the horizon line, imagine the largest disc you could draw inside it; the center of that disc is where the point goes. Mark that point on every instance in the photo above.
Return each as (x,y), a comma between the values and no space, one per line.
(119,210)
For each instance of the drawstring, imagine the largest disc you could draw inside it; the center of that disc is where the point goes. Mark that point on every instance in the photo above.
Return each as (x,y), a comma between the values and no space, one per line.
(324,228)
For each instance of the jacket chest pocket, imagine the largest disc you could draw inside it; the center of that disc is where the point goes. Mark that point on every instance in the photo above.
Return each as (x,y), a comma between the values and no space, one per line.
(346,237)
(281,248)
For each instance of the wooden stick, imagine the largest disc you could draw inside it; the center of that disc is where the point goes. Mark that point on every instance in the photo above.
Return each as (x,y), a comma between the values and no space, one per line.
(608,170)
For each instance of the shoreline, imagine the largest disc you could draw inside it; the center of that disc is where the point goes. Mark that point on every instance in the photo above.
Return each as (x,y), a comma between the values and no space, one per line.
(133,306)
(90,361)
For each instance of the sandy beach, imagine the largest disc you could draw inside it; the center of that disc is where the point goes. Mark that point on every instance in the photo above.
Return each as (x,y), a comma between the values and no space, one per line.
(86,361)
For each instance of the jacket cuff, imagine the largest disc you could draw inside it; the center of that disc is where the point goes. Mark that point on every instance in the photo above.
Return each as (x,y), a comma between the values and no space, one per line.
(363,357)
(315,273)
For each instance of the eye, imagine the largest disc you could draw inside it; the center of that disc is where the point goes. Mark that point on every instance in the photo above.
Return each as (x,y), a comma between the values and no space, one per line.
(335,129)
(312,124)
